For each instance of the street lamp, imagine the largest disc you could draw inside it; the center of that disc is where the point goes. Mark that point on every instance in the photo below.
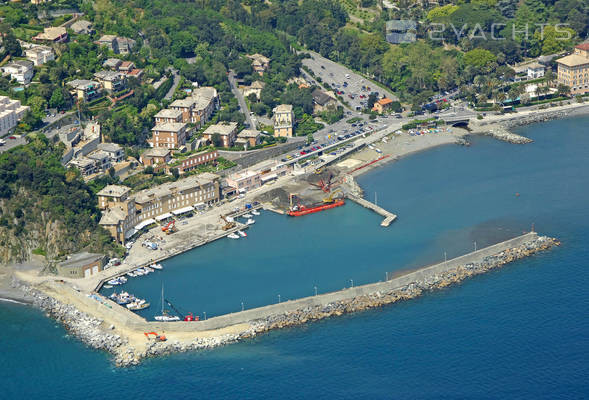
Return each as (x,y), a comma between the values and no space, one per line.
(278,298)
(475,245)
(242,306)
(205,313)
(352,282)
(315,287)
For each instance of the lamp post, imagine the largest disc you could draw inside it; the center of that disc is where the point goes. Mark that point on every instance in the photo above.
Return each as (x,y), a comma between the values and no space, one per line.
(315,287)
(205,313)
(242,306)
(278,299)
(352,282)
(475,245)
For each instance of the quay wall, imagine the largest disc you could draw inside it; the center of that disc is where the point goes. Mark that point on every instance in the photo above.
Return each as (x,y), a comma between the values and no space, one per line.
(346,294)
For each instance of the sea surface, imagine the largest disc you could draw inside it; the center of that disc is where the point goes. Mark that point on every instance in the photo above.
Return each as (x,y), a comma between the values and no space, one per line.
(518,332)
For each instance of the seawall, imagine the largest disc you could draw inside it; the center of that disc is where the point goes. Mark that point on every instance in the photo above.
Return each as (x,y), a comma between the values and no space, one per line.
(105,325)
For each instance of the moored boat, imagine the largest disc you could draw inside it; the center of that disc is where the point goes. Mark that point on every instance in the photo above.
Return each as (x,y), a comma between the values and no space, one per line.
(251,221)
(232,236)
(242,233)
(157,266)
(255,212)
(300,210)
(138,304)
(246,215)
(165,316)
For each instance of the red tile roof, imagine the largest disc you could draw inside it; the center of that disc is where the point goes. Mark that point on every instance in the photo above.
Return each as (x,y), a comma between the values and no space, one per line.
(583,46)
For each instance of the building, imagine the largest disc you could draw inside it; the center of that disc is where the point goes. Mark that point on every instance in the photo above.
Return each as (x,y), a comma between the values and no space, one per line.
(81,265)
(535,70)
(322,101)
(82,27)
(244,181)
(115,152)
(227,132)
(39,55)
(125,45)
(382,105)
(170,135)
(283,120)
(248,138)
(168,115)
(112,194)
(11,111)
(126,66)
(195,160)
(260,63)
(135,73)
(573,70)
(52,34)
(85,90)
(199,106)
(19,70)
(155,156)
(255,88)
(124,216)
(110,41)
(85,165)
(111,81)
(101,159)
(270,170)
(112,63)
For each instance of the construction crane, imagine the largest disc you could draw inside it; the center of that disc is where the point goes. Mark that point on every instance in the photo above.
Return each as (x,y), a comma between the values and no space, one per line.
(170,227)
(228,224)
(187,317)
(325,186)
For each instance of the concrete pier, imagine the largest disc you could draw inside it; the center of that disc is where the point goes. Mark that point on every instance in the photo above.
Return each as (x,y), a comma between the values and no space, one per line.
(389,216)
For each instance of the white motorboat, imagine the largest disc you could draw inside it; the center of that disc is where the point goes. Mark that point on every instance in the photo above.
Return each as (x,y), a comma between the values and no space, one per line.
(255,212)
(246,215)
(138,305)
(242,233)
(157,266)
(117,281)
(232,236)
(165,316)
(140,272)
(251,221)
(131,274)
(148,270)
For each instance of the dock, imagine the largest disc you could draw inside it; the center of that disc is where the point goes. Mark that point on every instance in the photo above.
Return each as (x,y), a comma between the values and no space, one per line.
(389,217)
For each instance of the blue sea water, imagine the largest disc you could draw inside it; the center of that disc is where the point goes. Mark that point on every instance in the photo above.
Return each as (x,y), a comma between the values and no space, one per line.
(518,332)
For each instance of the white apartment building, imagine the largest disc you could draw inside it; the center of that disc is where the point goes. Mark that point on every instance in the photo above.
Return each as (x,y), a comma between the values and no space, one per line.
(39,55)
(11,111)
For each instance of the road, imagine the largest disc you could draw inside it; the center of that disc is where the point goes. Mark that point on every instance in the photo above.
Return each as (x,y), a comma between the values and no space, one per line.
(12,143)
(176,76)
(335,75)
(240,100)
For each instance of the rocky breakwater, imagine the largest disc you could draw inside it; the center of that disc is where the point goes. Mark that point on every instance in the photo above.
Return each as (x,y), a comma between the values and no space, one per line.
(88,329)
(408,291)
(500,132)
(337,308)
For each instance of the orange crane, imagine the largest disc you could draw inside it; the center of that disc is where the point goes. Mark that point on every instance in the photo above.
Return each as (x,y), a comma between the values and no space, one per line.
(228,224)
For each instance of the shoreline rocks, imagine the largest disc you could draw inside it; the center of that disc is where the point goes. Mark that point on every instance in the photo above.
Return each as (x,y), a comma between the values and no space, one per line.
(93,332)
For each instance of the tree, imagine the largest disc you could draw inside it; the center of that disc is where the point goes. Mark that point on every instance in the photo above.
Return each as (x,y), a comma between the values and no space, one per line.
(479,58)
(57,100)
(310,138)
(111,172)
(563,90)
(175,173)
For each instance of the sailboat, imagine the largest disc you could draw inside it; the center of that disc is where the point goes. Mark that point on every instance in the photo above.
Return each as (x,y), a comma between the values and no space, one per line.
(165,317)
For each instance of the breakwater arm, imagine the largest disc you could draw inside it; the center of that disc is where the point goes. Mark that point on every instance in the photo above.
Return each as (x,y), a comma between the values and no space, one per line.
(119,331)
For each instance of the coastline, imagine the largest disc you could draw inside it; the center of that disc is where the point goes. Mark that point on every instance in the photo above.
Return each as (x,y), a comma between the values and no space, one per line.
(133,347)
(129,346)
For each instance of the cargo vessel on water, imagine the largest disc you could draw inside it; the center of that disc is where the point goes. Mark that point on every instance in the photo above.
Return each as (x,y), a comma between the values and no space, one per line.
(300,210)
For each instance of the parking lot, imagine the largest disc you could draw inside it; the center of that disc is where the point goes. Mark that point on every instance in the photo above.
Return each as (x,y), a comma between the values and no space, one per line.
(351,86)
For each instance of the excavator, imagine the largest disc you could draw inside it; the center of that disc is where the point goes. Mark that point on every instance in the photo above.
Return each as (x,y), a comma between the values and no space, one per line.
(156,337)
(330,199)
(228,224)
(323,185)
(170,227)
